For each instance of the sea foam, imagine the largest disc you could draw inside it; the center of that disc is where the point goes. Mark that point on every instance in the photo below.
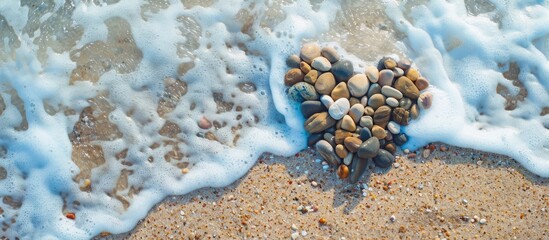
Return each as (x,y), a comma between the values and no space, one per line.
(100,99)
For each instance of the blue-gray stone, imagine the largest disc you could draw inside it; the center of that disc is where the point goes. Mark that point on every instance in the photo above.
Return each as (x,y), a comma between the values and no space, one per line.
(308,108)
(358,167)
(369,148)
(400,139)
(342,70)
(365,134)
(307,91)
(384,159)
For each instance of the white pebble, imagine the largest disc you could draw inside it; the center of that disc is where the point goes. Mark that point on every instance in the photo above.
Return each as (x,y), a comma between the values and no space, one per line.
(392,218)
(295,235)
(294,227)
(304,233)
(327,100)
(314,183)
(321,64)
(482,221)
(464,201)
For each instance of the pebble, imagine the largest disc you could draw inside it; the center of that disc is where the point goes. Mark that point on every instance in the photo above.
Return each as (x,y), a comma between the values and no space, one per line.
(319,122)
(309,51)
(398,72)
(365,134)
(340,136)
(321,64)
(341,151)
(307,91)
(326,100)
(369,148)
(400,116)
(352,144)
(325,83)
(340,91)
(293,61)
(304,233)
(386,77)
(295,235)
(330,53)
(396,165)
(294,227)
(358,85)
(382,115)
(293,76)
(343,171)
(400,139)
(414,111)
(374,88)
(204,123)
(339,108)
(326,151)
(354,100)
(377,100)
(342,70)
(356,112)
(369,111)
(347,123)
(358,166)
(482,221)
(367,122)
(412,74)
(426,153)
(348,159)
(305,67)
(364,101)
(407,87)
(425,100)
(389,91)
(405,103)
(390,147)
(393,127)
(308,108)
(330,138)
(464,201)
(294,94)
(404,64)
(372,73)
(421,83)
(311,77)
(392,218)
(313,138)
(389,63)
(392,102)
(378,132)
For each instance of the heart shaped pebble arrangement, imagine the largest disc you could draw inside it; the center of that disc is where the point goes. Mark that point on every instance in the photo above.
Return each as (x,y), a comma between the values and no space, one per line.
(354,118)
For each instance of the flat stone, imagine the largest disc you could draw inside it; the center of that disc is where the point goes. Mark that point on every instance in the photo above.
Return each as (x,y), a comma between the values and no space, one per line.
(340,136)
(293,61)
(384,159)
(358,167)
(365,134)
(369,148)
(400,139)
(307,91)
(382,115)
(386,77)
(412,74)
(404,64)
(348,159)
(376,101)
(326,100)
(356,112)
(293,76)
(358,85)
(379,132)
(389,63)
(308,108)
(330,53)
(339,109)
(340,91)
(374,89)
(319,122)
(313,138)
(407,88)
(414,111)
(401,116)
(389,91)
(405,103)
(392,102)
(393,127)
(425,100)
(325,83)
(352,143)
(372,73)
(305,67)
(369,111)
(398,72)
(347,123)
(390,147)
(421,83)
(342,70)
(309,51)
(341,151)
(294,94)
(321,64)
(327,152)
(311,77)
(367,122)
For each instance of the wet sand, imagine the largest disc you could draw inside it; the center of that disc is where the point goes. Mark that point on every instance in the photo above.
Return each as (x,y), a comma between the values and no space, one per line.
(429,198)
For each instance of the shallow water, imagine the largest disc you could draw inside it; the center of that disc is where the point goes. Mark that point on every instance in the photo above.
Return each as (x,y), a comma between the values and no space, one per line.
(100,100)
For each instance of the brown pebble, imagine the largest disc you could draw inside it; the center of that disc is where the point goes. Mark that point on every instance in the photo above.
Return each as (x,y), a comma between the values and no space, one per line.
(341,151)
(340,135)
(340,91)
(293,76)
(421,83)
(293,61)
(311,77)
(322,221)
(390,147)
(378,132)
(204,123)
(390,63)
(369,111)
(426,153)
(352,143)
(305,67)
(309,51)
(343,171)
(411,155)
(412,74)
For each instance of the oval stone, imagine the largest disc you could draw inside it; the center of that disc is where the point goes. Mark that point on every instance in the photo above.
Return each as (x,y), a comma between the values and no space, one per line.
(358,85)
(369,111)
(356,112)
(309,51)
(294,94)
(342,70)
(367,122)
(369,148)
(382,115)
(421,83)
(358,167)
(341,151)
(374,89)
(384,159)
(372,73)
(326,151)
(352,144)
(392,102)
(365,134)
(405,103)
(414,111)
(305,67)
(389,63)
(390,147)
(307,91)
(321,64)
(389,91)
(386,77)
(425,100)
(293,76)
(398,72)
(400,139)
(404,64)
(340,136)
(407,87)
(325,83)
(354,100)
(293,61)
(340,91)
(401,116)
(326,100)
(348,159)
(308,108)
(330,53)
(376,101)
(319,122)
(393,127)
(339,108)
(412,74)
(379,132)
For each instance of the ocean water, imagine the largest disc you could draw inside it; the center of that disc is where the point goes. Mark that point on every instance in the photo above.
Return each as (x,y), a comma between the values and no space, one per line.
(100,100)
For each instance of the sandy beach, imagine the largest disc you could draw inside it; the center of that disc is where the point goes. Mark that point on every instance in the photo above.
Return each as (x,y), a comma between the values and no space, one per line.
(446,195)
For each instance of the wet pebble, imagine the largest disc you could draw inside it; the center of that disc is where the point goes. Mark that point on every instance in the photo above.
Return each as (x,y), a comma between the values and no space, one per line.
(393,127)
(389,91)
(307,91)
(340,91)
(372,73)
(319,122)
(325,83)
(407,87)
(330,53)
(369,148)
(293,61)
(339,108)
(392,102)
(342,70)
(425,100)
(321,64)
(326,151)
(308,108)
(309,51)
(352,144)
(293,76)
(358,85)
(386,77)
(384,159)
